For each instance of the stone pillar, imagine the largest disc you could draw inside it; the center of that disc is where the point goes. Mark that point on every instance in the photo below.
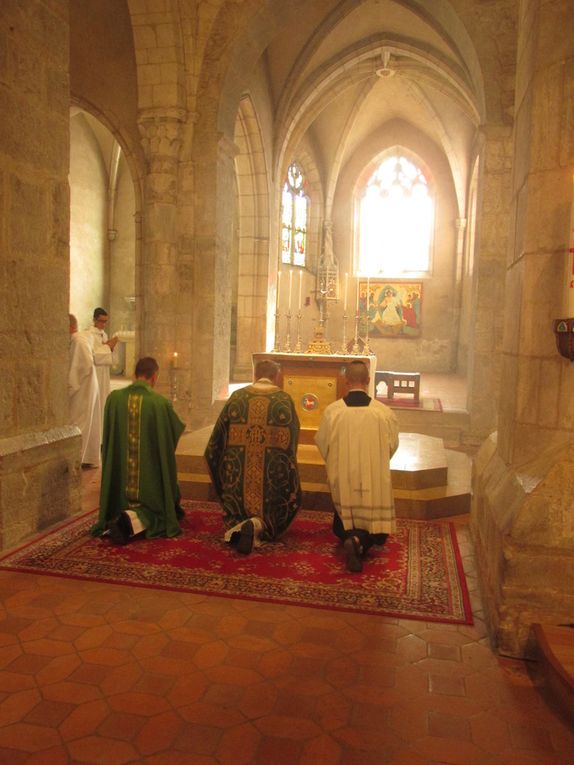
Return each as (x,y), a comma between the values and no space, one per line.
(522,518)
(160,296)
(39,451)
(489,278)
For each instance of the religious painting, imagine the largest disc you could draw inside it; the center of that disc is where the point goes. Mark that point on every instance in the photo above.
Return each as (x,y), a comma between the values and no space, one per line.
(393,308)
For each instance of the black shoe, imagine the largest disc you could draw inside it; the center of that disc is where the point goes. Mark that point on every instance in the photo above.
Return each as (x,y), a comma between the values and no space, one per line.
(353,553)
(121,530)
(245,543)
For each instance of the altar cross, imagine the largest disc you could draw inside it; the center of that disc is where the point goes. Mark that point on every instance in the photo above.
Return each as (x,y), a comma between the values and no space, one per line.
(256,436)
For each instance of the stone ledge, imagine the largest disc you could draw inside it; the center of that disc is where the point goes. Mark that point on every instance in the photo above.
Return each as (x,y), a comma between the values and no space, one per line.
(16,452)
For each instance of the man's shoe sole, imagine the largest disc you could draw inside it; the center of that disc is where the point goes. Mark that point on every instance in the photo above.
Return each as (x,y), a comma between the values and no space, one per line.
(245,543)
(353,554)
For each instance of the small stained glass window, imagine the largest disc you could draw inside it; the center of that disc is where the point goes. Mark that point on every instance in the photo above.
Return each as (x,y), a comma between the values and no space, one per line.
(294,218)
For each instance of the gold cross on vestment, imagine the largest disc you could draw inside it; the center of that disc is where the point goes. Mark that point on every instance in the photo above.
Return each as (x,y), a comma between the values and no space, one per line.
(256,436)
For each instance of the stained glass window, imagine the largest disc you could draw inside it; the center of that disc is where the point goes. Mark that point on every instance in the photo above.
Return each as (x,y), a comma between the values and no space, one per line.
(294,217)
(395,221)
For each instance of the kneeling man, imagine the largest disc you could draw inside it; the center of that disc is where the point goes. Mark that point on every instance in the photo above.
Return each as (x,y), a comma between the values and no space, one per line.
(357,437)
(252,460)
(139,491)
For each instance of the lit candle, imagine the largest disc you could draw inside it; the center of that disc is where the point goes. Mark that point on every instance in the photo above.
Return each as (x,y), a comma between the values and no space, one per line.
(174,361)
(300,288)
(346,287)
(290,288)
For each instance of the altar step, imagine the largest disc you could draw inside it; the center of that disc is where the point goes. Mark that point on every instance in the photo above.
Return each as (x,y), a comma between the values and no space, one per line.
(450,425)
(429,481)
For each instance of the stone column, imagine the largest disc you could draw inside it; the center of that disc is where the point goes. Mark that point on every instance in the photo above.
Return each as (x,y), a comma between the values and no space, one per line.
(159,297)
(523,522)
(489,279)
(39,451)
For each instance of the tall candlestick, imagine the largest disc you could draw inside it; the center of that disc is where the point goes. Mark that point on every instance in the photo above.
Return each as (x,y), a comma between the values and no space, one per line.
(300,287)
(346,287)
(290,288)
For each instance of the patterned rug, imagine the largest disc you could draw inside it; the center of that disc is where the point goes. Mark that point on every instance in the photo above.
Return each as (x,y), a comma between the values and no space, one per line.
(416,575)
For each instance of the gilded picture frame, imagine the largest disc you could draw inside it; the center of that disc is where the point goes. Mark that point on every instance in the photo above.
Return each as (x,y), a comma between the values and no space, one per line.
(392,308)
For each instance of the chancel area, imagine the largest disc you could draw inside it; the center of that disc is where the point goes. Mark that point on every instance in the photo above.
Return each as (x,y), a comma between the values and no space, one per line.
(312,181)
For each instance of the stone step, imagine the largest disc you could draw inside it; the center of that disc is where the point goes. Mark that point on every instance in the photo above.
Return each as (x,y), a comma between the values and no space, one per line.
(428,480)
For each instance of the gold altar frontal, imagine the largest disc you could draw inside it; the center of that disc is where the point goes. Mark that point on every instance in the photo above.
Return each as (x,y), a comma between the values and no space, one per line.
(314,381)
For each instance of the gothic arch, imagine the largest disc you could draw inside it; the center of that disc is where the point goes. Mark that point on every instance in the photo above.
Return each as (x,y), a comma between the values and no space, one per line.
(253,242)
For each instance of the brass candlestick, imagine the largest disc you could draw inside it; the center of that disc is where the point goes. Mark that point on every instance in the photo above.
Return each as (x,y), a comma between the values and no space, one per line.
(298,346)
(344,343)
(276,343)
(288,338)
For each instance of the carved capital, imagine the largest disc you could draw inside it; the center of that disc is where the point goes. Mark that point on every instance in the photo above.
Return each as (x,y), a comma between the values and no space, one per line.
(161,132)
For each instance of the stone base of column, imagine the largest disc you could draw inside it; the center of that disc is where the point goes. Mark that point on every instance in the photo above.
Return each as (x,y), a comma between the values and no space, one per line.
(39,482)
(523,532)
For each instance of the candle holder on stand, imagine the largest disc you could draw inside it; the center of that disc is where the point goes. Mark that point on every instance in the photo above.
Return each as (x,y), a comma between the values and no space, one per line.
(173,378)
(298,346)
(276,343)
(343,349)
(356,350)
(287,348)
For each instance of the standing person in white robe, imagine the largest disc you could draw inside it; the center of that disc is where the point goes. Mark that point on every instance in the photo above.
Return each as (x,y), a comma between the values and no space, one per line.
(357,437)
(84,394)
(102,349)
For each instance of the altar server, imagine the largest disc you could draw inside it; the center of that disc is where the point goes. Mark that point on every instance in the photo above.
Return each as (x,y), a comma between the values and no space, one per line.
(102,350)
(139,491)
(252,460)
(84,395)
(357,437)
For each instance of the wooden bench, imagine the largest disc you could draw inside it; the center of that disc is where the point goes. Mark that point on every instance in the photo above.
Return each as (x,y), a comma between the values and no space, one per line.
(400,382)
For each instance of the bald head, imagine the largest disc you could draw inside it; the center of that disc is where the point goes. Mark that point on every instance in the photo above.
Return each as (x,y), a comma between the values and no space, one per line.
(73,323)
(357,375)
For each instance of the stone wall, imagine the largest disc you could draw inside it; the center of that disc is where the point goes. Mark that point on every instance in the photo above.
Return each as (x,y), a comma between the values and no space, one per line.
(39,453)
(522,516)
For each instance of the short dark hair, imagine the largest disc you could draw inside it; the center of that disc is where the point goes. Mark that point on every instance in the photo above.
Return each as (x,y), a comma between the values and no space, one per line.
(266,368)
(357,372)
(99,312)
(146,367)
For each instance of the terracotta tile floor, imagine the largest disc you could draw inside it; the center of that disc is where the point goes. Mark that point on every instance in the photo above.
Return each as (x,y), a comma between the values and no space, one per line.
(92,673)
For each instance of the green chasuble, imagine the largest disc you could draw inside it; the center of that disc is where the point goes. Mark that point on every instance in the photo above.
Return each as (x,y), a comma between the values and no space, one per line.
(252,458)
(141,431)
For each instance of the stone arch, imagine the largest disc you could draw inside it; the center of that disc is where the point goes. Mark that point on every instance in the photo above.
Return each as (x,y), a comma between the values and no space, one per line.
(123,148)
(253,245)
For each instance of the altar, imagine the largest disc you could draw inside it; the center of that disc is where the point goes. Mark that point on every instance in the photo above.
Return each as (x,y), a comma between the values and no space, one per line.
(314,381)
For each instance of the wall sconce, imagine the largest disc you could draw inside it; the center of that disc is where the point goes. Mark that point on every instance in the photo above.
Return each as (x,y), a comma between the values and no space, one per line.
(564,331)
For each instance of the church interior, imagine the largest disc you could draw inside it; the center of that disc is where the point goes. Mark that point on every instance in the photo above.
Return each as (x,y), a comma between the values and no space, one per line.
(305,178)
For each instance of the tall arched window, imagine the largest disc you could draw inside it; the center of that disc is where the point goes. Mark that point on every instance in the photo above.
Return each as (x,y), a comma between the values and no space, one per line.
(294,217)
(394,221)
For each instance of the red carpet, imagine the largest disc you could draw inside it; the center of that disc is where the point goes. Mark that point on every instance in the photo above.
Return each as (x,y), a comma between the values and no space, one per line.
(423,405)
(417,575)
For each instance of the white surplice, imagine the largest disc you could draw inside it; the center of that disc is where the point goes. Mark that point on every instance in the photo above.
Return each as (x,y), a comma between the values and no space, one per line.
(357,443)
(84,394)
(103,360)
